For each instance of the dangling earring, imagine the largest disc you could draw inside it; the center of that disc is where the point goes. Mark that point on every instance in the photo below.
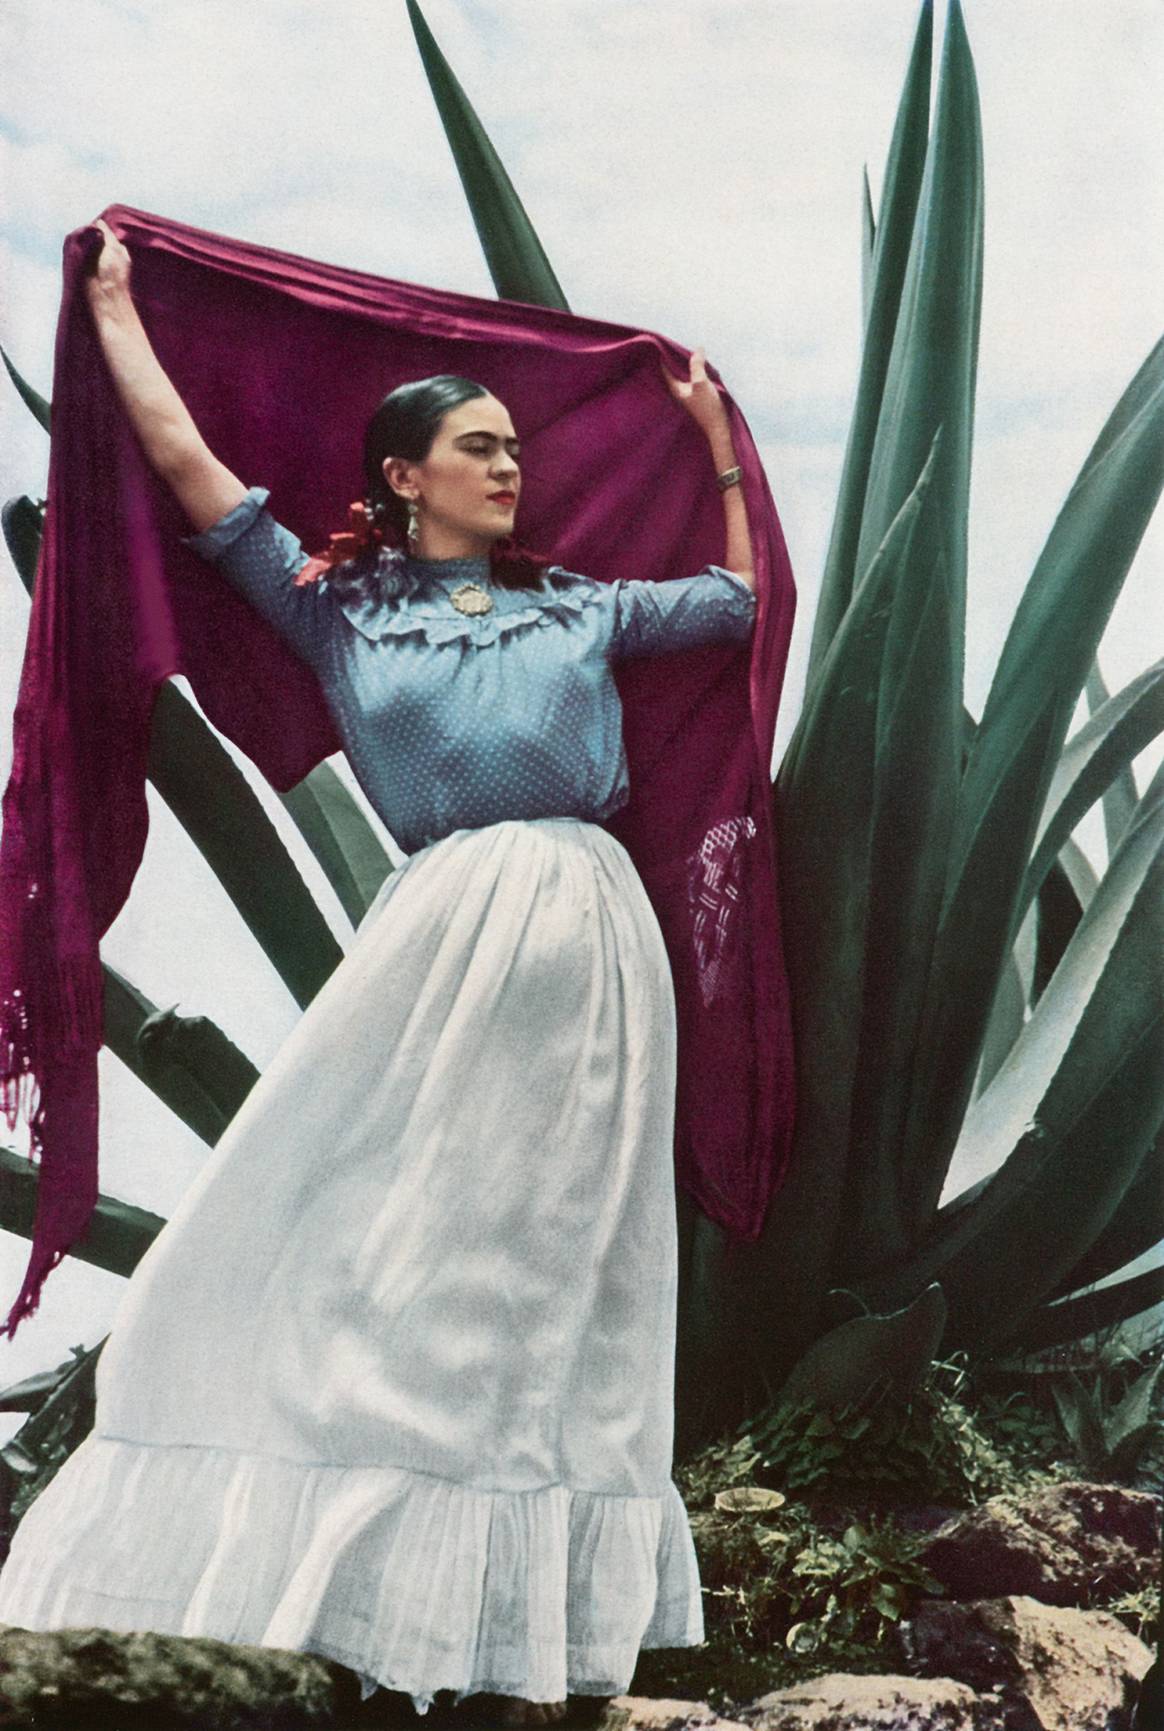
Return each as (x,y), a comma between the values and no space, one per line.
(413,535)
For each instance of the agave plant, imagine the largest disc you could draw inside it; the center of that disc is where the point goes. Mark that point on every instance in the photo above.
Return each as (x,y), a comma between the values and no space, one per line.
(921,848)
(1111,1434)
(963,986)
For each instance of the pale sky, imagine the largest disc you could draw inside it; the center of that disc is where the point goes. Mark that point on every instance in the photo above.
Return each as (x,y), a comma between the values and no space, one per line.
(691,166)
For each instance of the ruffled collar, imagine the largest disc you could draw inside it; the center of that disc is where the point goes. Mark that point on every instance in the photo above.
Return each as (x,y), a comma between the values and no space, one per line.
(391,594)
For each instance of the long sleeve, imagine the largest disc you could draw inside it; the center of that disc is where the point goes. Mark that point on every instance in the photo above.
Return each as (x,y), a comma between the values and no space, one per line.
(260,558)
(714,606)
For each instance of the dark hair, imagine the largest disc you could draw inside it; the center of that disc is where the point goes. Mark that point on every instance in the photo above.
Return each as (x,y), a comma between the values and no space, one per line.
(405,425)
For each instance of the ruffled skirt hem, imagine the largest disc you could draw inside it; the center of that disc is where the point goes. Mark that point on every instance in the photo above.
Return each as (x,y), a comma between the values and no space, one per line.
(417,1584)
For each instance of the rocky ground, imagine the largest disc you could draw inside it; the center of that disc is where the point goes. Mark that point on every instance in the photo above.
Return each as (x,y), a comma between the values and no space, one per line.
(1011,1645)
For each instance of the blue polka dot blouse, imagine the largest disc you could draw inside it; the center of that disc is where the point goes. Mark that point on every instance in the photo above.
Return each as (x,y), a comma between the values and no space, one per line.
(456,720)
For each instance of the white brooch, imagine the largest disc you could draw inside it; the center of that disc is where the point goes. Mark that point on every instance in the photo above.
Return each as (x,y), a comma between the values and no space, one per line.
(471,598)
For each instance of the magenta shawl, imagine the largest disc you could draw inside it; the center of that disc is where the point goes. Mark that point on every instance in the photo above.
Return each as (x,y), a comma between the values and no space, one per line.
(281,360)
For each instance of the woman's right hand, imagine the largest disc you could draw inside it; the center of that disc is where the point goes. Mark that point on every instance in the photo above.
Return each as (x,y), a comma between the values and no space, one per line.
(205,488)
(107,268)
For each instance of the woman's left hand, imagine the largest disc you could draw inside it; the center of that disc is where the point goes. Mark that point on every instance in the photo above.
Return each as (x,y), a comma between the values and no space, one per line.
(699,396)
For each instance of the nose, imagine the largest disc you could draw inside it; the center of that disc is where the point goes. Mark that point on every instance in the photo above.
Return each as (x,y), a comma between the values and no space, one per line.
(504,469)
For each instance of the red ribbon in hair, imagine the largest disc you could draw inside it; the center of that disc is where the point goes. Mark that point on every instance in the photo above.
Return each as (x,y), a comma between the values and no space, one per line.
(360,533)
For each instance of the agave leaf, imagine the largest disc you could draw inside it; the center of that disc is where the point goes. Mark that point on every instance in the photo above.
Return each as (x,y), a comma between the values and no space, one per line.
(899,195)
(1119,799)
(59,1425)
(222,815)
(1135,1227)
(23,524)
(868,238)
(194,1058)
(33,1391)
(1079,1415)
(1078,1101)
(844,1365)
(204,1098)
(188,1063)
(1044,662)
(1058,911)
(1079,872)
(1096,760)
(1024,953)
(200,1076)
(825,809)
(215,804)
(116,1238)
(516,260)
(916,770)
(33,399)
(1006,1020)
(1089,1313)
(341,838)
(1132,1420)
(929,384)
(929,381)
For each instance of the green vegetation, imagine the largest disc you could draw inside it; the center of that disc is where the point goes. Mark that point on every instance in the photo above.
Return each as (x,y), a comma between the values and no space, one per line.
(819,1581)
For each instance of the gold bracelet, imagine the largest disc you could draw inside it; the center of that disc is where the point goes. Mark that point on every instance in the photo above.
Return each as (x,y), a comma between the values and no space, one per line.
(729,478)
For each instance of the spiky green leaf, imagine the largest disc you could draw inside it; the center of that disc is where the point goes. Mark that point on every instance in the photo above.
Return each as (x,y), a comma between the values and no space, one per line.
(116,1238)
(1078,1103)
(1136,1227)
(353,858)
(203,1077)
(1089,1313)
(825,811)
(32,399)
(515,256)
(1094,760)
(868,239)
(904,170)
(930,377)
(917,763)
(1017,746)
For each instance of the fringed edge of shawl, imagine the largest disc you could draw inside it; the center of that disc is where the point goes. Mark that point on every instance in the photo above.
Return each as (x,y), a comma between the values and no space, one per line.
(50,1039)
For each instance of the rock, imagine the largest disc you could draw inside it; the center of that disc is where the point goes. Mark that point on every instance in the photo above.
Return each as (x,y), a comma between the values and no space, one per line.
(648,1713)
(1067,1544)
(1071,1670)
(645,1713)
(74,1677)
(839,1702)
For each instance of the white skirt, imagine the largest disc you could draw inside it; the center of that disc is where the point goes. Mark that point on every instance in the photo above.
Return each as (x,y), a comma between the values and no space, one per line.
(394,1385)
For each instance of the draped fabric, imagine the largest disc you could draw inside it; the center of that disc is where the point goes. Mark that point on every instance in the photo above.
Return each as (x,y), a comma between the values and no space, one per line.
(281,360)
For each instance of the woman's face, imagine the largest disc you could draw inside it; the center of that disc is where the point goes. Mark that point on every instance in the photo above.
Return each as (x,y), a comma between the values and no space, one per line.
(466,489)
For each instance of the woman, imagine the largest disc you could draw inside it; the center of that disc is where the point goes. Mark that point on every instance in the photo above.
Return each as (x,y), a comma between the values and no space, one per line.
(413,1410)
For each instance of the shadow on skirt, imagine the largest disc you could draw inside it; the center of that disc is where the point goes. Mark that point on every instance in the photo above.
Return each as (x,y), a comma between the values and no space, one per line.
(394,1385)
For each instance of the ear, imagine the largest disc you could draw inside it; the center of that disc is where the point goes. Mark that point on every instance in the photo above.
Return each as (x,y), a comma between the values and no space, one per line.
(400,475)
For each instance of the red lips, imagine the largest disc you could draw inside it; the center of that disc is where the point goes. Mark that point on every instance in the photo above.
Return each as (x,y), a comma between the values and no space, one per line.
(505,497)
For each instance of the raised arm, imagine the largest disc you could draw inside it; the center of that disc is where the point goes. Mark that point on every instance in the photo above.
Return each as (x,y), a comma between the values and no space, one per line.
(700,397)
(233,528)
(205,488)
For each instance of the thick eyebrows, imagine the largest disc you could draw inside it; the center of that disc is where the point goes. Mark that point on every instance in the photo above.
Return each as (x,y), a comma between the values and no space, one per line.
(484,433)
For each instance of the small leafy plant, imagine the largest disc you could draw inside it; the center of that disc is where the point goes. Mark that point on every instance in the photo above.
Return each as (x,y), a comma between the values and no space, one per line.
(787,1596)
(894,1447)
(1111,1420)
